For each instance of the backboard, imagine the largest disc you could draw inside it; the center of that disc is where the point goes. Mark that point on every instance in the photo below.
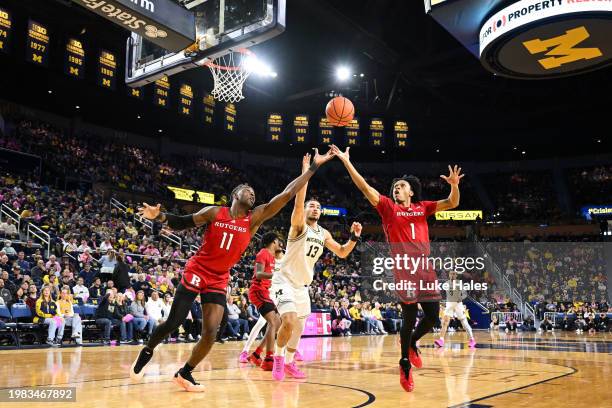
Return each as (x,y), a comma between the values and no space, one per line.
(221,26)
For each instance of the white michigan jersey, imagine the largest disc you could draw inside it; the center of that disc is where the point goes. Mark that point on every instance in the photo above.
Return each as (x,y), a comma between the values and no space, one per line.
(301,254)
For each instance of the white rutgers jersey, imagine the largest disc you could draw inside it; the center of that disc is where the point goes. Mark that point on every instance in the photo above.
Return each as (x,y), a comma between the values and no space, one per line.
(300,257)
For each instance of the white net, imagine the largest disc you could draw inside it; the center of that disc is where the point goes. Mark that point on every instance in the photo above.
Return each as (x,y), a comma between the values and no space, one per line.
(229,73)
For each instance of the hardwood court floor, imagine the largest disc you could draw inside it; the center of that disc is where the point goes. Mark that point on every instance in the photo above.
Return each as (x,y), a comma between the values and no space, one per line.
(506,370)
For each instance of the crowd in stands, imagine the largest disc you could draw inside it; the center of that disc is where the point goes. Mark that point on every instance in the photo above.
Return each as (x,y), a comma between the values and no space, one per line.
(591,186)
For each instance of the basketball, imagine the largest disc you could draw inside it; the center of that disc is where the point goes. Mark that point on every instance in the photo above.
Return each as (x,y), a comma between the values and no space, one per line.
(340,111)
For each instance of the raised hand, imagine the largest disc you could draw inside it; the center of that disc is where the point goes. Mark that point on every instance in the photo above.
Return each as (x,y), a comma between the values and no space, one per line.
(344,156)
(319,159)
(356,228)
(148,211)
(454,175)
(305,162)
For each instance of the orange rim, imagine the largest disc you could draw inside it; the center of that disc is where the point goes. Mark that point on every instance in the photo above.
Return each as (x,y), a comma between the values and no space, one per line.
(243,51)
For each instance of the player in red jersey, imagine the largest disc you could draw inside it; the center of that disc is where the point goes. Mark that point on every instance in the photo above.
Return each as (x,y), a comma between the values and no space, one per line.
(404,221)
(259,295)
(228,233)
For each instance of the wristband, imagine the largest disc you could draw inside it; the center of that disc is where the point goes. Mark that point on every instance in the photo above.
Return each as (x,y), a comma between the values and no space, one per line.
(354,237)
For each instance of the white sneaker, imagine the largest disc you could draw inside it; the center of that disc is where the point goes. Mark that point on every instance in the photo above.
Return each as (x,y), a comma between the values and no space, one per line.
(190,337)
(245,336)
(199,336)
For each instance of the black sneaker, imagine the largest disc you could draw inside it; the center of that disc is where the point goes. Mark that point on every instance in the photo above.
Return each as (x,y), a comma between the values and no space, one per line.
(185,380)
(137,370)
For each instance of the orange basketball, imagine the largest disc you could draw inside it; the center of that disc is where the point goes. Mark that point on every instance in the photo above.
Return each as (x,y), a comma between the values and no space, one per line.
(340,111)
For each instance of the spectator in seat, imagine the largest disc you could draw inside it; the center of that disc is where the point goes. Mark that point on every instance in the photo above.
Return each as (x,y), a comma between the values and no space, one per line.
(9,250)
(107,317)
(52,266)
(392,317)
(38,272)
(234,323)
(591,324)
(17,278)
(355,312)
(8,284)
(96,291)
(121,274)
(602,322)
(154,308)
(106,245)
(377,316)
(80,291)
(511,323)
(71,319)
(9,228)
(127,319)
(83,247)
(47,312)
(88,274)
(32,298)
(252,315)
(142,285)
(546,324)
(19,296)
(346,315)
(338,327)
(142,321)
(196,314)
(23,264)
(108,261)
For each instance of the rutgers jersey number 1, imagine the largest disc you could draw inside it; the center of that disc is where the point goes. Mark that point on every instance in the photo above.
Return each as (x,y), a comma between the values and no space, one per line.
(229,241)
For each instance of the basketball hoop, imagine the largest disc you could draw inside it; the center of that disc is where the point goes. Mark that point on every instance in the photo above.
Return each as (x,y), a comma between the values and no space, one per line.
(229,72)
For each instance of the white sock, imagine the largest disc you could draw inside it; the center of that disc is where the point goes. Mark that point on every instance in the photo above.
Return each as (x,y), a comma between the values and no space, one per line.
(254,333)
(278,351)
(467,327)
(289,356)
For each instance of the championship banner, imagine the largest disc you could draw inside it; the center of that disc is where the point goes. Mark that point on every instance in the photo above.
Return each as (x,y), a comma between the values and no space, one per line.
(107,70)
(230,118)
(135,92)
(274,127)
(186,100)
(300,129)
(161,91)
(75,59)
(186,194)
(377,132)
(209,109)
(6,25)
(352,132)
(467,215)
(37,50)
(400,133)
(163,22)
(326,131)
(333,211)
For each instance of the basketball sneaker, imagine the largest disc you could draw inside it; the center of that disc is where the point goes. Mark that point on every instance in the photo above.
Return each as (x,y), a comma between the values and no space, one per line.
(415,358)
(255,359)
(278,369)
(137,370)
(472,343)
(185,380)
(267,364)
(406,380)
(439,342)
(297,356)
(244,357)
(294,371)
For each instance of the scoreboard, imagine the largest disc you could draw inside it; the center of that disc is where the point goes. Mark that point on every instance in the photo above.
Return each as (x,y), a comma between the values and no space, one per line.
(37,50)
(6,25)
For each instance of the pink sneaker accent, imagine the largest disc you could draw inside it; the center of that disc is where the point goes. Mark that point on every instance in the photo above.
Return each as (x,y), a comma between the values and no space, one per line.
(294,371)
(244,357)
(278,370)
(472,343)
(187,385)
(297,356)
(439,342)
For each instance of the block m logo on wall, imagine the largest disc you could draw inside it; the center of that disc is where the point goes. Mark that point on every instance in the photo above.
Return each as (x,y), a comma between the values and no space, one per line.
(562,50)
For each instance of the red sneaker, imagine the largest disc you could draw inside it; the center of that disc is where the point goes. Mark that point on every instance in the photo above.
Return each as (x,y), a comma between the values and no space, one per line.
(406,380)
(267,364)
(415,358)
(255,359)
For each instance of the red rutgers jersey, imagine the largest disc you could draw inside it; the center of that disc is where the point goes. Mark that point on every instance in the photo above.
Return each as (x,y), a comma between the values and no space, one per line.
(406,225)
(223,243)
(265,258)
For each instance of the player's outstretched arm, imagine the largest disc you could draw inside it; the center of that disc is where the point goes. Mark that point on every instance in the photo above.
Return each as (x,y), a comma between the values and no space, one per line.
(297,215)
(342,251)
(370,192)
(178,222)
(264,212)
(453,178)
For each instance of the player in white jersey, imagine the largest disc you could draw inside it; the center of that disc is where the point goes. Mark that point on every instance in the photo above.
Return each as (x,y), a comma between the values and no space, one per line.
(455,308)
(289,289)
